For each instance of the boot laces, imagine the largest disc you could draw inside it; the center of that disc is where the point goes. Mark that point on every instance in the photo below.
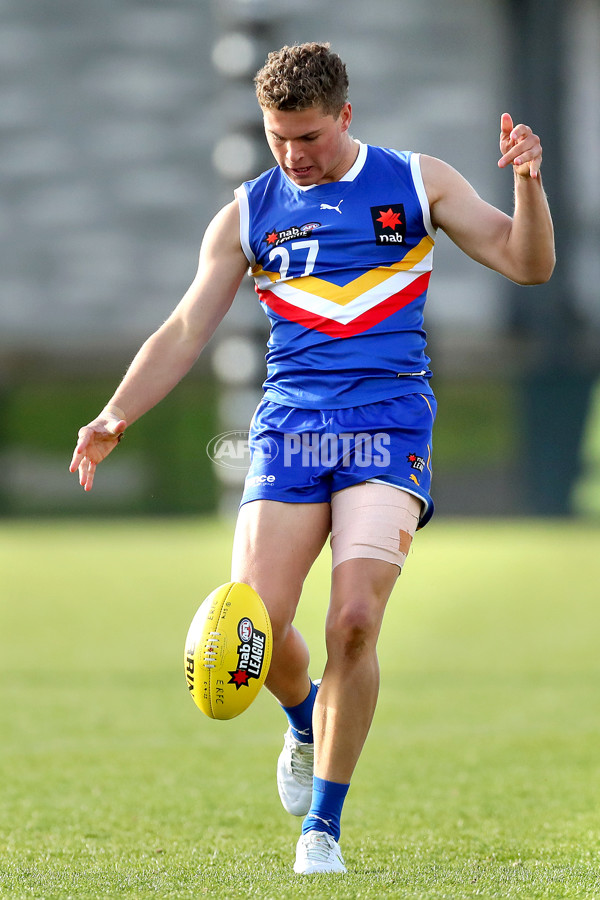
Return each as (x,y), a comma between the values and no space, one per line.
(300,759)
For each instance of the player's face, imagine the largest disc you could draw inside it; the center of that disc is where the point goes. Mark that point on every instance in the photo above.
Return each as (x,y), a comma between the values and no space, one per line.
(311,147)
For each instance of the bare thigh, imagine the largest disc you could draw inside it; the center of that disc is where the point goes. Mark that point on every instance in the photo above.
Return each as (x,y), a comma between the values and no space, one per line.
(274,547)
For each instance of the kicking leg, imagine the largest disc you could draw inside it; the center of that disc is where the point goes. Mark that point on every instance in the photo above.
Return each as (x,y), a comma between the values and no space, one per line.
(275,545)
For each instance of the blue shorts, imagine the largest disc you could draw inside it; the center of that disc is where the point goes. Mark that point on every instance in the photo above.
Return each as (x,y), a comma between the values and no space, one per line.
(306,455)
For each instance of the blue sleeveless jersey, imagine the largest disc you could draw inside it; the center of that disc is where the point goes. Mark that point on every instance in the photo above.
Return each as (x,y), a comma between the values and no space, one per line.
(342,270)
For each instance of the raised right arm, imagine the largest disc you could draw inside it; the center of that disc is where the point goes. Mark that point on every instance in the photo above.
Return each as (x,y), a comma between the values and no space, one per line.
(170,352)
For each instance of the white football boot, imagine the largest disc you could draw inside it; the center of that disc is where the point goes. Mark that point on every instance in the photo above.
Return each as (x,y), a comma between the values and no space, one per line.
(295,775)
(295,768)
(318,853)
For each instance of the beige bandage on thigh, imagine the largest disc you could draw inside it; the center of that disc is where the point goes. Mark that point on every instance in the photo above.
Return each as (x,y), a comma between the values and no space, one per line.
(373,521)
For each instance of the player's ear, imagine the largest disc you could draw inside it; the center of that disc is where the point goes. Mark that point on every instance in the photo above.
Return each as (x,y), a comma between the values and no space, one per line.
(345,116)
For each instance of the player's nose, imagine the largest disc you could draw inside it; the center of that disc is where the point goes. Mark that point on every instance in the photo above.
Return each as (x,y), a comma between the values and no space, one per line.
(293,153)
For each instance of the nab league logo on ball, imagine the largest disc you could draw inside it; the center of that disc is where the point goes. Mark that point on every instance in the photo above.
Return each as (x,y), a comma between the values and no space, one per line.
(251,654)
(231,450)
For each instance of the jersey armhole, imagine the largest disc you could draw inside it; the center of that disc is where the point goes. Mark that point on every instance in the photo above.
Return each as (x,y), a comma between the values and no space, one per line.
(242,198)
(415,168)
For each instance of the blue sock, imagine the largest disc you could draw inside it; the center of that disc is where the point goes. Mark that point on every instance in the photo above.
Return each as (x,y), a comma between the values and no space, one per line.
(300,717)
(326,808)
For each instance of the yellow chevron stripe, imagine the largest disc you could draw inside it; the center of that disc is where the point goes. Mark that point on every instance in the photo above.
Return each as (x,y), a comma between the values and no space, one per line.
(342,295)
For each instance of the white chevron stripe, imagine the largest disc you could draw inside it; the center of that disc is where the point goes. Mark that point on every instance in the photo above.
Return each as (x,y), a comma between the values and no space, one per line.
(320,306)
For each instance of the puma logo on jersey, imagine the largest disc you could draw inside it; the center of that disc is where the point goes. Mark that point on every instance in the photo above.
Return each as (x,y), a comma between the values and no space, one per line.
(336,208)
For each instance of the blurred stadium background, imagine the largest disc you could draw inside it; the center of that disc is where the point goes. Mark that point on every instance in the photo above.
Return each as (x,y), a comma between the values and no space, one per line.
(125,124)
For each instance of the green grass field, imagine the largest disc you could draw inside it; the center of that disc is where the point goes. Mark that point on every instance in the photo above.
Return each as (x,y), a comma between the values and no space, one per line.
(481,776)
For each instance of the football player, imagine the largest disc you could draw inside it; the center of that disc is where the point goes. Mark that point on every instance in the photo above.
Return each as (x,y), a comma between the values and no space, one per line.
(339,239)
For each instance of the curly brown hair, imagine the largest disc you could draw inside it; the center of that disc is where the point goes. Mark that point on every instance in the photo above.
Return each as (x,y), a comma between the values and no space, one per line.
(301,77)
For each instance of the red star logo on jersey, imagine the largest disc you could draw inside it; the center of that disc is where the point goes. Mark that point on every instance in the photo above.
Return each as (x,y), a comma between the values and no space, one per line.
(389,219)
(389,223)
(271,237)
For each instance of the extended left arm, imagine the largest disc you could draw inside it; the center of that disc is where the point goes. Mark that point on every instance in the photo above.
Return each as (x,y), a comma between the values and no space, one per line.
(520,247)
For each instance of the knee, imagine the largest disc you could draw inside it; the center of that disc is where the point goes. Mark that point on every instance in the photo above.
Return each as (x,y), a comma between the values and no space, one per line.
(280,627)
(352,630)
(281,617)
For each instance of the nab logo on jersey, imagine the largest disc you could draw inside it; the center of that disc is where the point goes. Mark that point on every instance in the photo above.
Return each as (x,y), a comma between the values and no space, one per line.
(274,238)
(389,223)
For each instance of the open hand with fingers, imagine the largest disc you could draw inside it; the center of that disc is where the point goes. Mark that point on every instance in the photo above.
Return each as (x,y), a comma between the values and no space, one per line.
(95,441)
(520,147)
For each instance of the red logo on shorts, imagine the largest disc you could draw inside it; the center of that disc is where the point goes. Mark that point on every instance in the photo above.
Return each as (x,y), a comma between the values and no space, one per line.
(416,462)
